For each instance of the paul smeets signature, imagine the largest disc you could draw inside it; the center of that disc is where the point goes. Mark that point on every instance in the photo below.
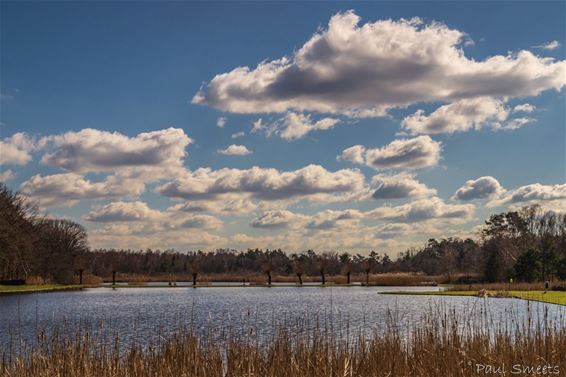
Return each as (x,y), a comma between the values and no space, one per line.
(517,369)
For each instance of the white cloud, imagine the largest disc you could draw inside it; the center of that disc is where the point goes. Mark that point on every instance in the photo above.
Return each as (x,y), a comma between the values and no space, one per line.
(328,219)
(355,154)
(6,175)
(524,108)
(414,153)
(481,188)
(201,222)
(458,116)
(238,134)
(400,186)
(513,124)
(91,150)
(16,149)
(153,220)
(275,219)
(258,126)
(335,239)
(144,235)
(364,70)
(226,205)
(264,183)
(221,122)
(552,45)
(424,210)
(67,189)
(533,193)
(394,230)
(123,211)
(295,126)
(339,229)
(235,150)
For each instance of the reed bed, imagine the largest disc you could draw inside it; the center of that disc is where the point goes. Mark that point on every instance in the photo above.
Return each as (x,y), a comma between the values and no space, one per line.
(444,342)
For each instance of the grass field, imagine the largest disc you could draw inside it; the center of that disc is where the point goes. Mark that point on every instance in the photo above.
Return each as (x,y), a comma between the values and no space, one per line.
(551,297)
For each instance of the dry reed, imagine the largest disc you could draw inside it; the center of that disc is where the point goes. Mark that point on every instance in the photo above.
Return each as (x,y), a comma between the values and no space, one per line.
(444,343)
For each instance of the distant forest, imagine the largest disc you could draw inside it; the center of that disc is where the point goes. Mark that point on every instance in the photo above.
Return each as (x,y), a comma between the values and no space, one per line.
(525,245)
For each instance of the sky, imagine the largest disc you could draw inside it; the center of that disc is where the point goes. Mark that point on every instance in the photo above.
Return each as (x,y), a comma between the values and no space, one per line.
(333,126)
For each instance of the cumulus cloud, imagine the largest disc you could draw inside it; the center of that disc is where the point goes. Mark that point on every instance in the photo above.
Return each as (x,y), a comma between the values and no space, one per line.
(224,205)
(16,149)
(201,222)
(364,70)
(400,186)
(139,235)
(552,45)
(258,126)
(414,153)
(123,211)
(221,122)
(423,210)
(512,124)
(336,239)
(153,220)
(482,188)
(355,154)
(67,189)
(524,108)
(6,175)
(275,219)
(329,219)
(324,220)
(264,183)
(238,134)
(235,150)
(91,150)
(394,230)
(533,193)
(424,217)
(295,126)
(458,116)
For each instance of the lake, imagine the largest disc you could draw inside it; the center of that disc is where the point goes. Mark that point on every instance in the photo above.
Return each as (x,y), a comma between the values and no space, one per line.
(143,314)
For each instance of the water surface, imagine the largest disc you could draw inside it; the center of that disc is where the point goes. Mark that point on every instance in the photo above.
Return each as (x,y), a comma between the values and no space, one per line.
(143,314)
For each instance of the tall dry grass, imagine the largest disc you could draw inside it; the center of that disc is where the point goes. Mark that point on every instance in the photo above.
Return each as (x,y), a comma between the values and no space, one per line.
(444,343)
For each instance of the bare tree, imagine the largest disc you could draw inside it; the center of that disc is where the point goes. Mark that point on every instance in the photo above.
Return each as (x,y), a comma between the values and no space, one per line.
(63,242)
(299,270)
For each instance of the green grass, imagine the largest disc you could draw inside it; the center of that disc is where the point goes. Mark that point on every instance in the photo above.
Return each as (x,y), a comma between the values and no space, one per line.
(8,289)
(431,293)
(551,297)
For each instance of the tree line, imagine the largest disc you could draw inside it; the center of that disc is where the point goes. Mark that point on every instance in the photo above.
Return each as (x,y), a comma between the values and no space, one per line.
(527,245)
(34,245)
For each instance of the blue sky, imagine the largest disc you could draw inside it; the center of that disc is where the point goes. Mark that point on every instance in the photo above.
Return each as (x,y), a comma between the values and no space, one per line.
(127,68)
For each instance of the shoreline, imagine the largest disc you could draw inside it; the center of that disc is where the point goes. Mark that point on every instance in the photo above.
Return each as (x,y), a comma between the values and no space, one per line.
(25,289)
(550,297)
